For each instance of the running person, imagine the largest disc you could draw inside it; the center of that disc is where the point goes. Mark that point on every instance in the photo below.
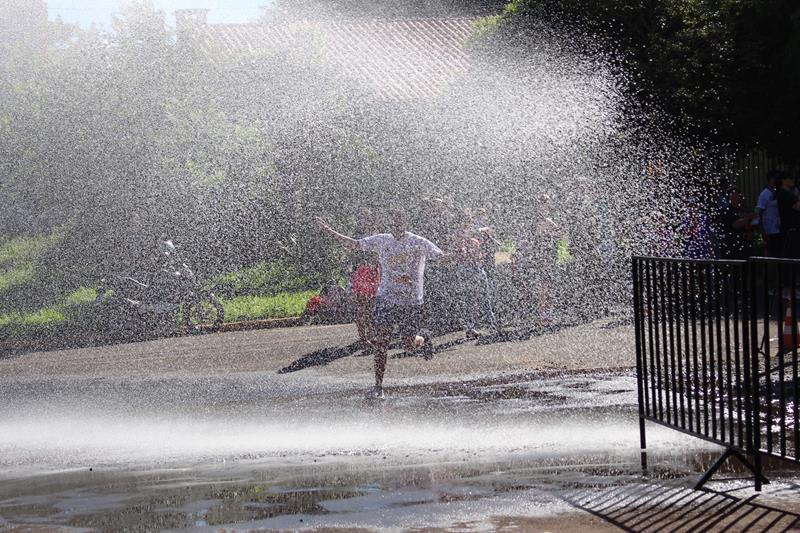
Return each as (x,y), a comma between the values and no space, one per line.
(402,256)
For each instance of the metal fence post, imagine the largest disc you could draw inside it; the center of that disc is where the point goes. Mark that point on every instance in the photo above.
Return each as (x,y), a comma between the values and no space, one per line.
(755,419)
(637,302)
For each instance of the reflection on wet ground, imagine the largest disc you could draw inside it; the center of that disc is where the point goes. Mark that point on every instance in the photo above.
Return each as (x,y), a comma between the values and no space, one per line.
(525,451)
(476,495)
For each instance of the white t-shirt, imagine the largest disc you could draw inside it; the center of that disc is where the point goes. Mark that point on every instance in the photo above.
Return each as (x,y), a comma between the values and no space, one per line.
(402,265)
(770,218)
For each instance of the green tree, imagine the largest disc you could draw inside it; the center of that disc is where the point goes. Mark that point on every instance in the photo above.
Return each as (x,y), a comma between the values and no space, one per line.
(726,70)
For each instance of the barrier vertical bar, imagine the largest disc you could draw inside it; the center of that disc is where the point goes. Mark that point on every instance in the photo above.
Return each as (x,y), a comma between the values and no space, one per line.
(793,304)
(748,341)
(639,362)
(673,357)
(703,305)
(780,357)
(739,322)
(767,365)
(651,327)
(755,425)
(710,295)
(677,313)
(664,318)
(728,356)
(644,314)
(687,379)
(719,375)
(695,380)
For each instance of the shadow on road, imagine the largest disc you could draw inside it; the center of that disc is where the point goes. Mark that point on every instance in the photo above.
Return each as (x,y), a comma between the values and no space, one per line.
(323,357)
(644,508)
(327,355)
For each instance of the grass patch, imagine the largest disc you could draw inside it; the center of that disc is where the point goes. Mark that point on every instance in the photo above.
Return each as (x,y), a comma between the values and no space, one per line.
(49,315)
(19,258)
(237,309)
(270,277)
(284,305)
(23,249)
(16,276)
(43,317)
(81,296)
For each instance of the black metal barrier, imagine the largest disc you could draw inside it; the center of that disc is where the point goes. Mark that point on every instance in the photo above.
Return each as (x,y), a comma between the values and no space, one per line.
(717,354)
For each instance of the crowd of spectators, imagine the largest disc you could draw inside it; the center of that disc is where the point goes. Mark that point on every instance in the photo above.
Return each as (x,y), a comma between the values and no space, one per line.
(485,279)
(466,290)
(729,230)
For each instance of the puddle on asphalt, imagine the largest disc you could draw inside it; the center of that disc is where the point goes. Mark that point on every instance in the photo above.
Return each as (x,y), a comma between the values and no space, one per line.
(245,494)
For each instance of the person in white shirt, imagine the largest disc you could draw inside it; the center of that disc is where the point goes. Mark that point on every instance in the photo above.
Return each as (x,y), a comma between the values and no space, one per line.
(402,256)
(769,218)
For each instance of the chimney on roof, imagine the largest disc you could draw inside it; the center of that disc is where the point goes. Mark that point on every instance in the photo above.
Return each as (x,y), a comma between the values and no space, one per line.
(188,21)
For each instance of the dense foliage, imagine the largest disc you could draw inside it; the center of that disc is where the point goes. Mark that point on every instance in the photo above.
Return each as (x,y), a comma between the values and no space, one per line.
(726,70)
(109,141)
(117,139)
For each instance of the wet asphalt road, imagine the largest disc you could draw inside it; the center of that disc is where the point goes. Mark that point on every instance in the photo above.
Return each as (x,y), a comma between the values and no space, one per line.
(197,399)
(270,429)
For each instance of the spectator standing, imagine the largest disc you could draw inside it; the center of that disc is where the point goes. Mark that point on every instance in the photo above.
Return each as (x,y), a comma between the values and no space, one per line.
(484,231)
(789,212)
(442,223)
(734,227)
(768,217)
(537,261)
(473,284)
(696,232)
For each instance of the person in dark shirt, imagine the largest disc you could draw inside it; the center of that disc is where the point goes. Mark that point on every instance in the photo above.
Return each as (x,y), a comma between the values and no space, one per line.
(734,227)
(789,210)
(441,221)
(768,220)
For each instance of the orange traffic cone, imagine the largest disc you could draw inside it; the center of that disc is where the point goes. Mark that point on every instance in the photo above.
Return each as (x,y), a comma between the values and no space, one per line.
(788,329)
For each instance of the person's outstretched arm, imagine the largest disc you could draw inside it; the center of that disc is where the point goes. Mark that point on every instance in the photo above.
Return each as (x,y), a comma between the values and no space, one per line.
(344,240)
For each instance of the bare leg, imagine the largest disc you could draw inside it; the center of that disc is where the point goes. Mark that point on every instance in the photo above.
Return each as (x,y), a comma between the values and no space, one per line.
(363,315)
(369,322)
(380,366)
(362,334)
(381,344)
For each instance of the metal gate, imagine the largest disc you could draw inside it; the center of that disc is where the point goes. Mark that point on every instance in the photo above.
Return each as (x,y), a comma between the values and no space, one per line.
(716,354)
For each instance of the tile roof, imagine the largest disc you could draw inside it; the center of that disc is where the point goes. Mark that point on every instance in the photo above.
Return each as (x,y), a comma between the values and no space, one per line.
(398,59)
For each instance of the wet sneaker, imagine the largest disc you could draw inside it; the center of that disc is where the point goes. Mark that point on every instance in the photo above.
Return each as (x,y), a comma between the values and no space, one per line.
(376,393)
